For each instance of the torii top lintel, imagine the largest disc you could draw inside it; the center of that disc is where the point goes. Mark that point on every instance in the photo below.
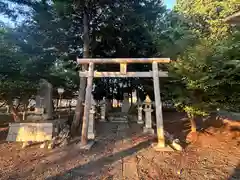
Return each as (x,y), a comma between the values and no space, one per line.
(122,60)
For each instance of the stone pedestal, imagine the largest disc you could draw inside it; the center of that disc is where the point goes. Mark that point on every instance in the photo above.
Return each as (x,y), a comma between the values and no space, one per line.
(148,121)
(140,117)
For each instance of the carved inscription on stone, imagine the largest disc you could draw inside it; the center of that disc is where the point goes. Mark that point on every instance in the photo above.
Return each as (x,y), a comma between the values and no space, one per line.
(37,132)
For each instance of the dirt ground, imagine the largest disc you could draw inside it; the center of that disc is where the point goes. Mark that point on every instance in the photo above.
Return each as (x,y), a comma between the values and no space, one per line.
(123,152)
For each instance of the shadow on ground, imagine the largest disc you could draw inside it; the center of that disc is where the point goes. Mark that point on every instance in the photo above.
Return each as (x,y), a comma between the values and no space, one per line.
(99,156)
(5,119)
(97,166)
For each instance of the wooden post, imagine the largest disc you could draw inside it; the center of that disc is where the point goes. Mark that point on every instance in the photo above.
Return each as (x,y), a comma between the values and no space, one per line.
(158,103)
(87,107)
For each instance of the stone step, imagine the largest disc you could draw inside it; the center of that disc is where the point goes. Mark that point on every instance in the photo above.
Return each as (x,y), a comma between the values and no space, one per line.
(118,121)
(123,119)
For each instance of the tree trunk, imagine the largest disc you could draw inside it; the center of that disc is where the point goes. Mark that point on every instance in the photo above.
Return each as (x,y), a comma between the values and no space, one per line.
(8,109)
(192,136)
(81,96)
(25,105)
(14,113)
(193,124)
(57,104)
(131,91)
(191,118)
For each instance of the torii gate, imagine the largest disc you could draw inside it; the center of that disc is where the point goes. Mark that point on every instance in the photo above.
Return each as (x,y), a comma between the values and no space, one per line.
(155,73)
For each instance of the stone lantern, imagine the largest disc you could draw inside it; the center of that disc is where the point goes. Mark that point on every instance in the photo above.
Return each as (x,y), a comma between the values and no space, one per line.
(148,116)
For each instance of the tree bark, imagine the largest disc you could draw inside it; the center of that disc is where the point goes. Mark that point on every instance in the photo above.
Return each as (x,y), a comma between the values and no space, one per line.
(81,95)
(193,124)
(14,112)
(25,105)
(192,136)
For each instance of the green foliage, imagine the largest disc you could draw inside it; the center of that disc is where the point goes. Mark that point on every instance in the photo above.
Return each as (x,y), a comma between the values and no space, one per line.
(173,35)
(52,34)
(208,78)
(208,71)
(205,75)
(208,16)
(15,80)
(193,111)
(226,73)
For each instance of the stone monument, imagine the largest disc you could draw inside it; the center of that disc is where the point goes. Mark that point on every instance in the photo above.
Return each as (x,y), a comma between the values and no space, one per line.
(39,109)
(45,93)
(125,104)
(44,103)
(40,126)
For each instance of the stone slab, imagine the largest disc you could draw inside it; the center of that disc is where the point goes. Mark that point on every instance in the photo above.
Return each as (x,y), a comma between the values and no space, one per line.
(34,131)
(119,121)
(37,132)
(123,119)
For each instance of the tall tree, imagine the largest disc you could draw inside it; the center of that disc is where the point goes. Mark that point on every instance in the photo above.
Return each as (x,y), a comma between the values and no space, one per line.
(17,81)
(203,69)
(208,16)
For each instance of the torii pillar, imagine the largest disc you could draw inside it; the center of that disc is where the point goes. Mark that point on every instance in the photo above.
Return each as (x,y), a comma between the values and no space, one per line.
(158,107)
